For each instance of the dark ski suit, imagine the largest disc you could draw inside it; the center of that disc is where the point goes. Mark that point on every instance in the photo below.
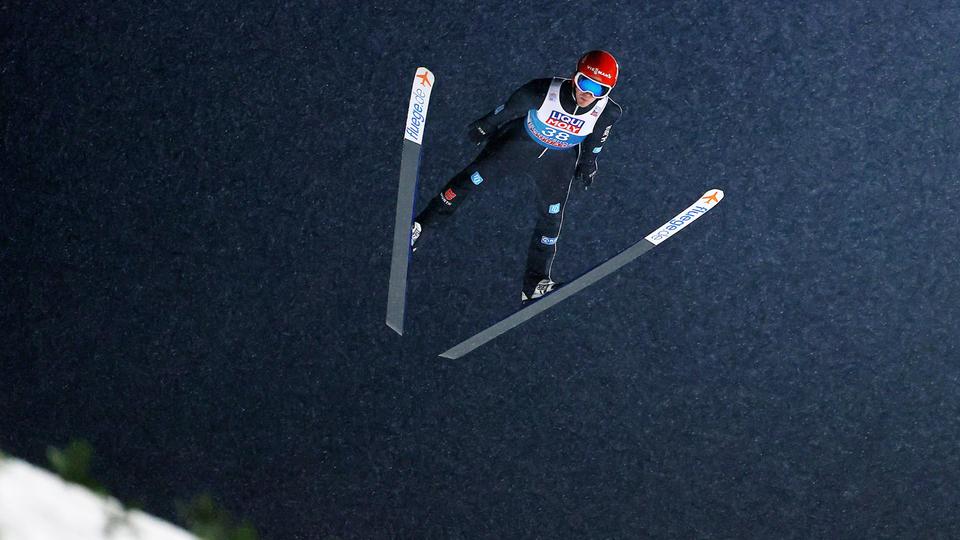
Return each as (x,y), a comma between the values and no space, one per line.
(512,151)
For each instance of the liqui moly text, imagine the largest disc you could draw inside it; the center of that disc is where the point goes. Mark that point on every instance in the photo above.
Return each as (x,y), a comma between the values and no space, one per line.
(564,121)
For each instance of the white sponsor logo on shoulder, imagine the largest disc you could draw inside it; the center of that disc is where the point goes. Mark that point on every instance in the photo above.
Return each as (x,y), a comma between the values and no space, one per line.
(419,101)
(697,209)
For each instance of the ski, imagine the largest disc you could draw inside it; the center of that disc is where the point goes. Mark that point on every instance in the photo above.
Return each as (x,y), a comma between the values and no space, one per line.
(668,229)
(406,192)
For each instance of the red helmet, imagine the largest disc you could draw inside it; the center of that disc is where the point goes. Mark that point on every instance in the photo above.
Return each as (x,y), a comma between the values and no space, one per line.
(600,66)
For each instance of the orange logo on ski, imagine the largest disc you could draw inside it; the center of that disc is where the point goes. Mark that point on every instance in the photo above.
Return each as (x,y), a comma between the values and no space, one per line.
(711,198)
(425,79)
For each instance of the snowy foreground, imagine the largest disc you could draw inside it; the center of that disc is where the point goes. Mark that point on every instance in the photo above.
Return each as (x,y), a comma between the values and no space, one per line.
(38,505)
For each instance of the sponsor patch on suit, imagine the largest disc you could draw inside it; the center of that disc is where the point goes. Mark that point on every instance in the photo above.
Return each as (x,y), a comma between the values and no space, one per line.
(548,240)
(448,196)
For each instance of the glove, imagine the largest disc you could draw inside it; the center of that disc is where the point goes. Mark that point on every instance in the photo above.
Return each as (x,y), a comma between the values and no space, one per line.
(585,173)
(478,132)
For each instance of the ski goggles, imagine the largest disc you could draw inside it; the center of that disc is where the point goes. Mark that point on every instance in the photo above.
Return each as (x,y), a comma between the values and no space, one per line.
(586,84)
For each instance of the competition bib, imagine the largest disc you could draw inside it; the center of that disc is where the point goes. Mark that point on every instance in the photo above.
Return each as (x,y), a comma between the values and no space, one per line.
(553,128)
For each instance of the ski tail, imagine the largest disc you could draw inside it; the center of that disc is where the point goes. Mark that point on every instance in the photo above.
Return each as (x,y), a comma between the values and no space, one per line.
(657,237)
(406,195)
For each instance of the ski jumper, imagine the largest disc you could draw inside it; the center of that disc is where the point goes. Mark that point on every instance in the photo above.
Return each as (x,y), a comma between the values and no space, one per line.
(542,133)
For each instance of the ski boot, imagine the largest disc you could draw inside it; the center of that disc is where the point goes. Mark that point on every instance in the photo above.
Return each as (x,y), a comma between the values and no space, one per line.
(538,291)
(415,231)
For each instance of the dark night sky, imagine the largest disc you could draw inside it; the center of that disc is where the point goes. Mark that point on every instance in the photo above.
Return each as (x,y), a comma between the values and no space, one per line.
(196,210)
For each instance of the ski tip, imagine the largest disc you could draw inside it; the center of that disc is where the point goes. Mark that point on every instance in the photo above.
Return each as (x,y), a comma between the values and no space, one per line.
(425,77)
(712,197)
(449,355)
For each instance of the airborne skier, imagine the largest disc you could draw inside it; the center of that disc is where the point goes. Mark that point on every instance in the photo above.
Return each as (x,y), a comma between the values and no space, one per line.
(551,129)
